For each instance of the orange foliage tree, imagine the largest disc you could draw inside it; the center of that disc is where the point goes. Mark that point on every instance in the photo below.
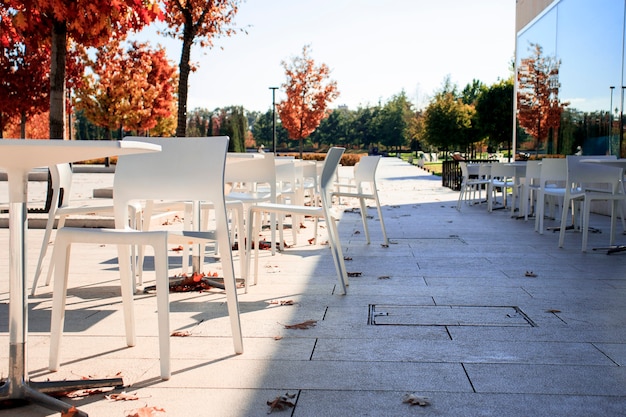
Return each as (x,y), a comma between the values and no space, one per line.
(196,21)
(131,89)
(309,92)
(24,82)
(538,106)
(87,22)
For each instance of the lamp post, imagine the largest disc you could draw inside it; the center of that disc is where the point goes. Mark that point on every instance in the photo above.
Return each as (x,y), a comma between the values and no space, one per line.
(621,124)
(611,121)
(274,118)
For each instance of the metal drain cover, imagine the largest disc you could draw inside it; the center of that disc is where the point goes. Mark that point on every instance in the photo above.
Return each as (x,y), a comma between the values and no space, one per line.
(447,315)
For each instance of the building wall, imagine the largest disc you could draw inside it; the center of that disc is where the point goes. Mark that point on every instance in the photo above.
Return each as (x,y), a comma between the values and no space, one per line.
(527,10)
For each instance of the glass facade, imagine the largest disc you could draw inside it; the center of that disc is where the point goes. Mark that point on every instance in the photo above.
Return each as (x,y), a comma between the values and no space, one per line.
(570,79)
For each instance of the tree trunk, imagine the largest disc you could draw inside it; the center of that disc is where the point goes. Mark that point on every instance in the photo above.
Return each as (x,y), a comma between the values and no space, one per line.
(57,81)
(183,83)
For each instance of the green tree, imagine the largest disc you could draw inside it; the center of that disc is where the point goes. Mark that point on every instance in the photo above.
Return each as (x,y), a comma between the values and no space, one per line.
(393,122)
(494,113)
(447,121)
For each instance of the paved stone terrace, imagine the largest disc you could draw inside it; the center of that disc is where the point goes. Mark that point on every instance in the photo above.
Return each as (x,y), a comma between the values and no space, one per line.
(446,312)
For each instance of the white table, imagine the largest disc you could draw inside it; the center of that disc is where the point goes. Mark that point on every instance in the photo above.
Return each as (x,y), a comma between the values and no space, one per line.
(18,157)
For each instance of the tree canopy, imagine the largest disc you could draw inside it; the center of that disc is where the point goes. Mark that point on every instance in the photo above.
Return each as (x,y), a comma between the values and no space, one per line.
(309,91)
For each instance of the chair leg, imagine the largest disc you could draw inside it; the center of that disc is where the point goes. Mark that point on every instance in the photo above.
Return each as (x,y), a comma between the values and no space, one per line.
(364,219)
(60,257)
(163,304)
(337,252)
(42,254)
(230,282)
(381,219)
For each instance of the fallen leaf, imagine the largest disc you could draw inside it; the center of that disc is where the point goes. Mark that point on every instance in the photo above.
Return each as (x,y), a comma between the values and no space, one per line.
(416,400)
(182,333)
(71,412)
(178,249)
(357,232)
(311,241)
(123,396)
(530,274)
(282,402)
(145,412)
(384,277)
(282,302)
(384,246)
(354,274)
(347,258)
(278,337)
(302,326)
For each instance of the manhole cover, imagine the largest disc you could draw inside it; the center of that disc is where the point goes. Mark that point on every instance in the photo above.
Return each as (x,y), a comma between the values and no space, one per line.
(447,315)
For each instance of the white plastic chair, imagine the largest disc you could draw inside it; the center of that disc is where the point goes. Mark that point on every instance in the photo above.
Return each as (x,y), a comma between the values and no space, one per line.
(501,178)
(587,183)
(364,188)
(530,187)
(186,169)
(254,181)
(469,186)
(61,207)
(326,183)
(552,181)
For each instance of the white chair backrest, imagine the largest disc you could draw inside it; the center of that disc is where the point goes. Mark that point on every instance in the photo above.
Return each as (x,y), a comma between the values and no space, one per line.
(502,171)
(331,162)
(533,172)
(584,174)
(186,169)
(366,169)
(464,170)
(61,175)
(553,171)
(253,171)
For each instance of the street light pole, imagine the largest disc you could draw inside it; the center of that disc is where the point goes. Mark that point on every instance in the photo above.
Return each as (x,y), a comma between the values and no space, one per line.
(611,121)
(274,118)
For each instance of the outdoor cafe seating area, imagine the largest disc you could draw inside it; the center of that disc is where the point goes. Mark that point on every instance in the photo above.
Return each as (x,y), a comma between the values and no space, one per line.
(438,306)
(566,189)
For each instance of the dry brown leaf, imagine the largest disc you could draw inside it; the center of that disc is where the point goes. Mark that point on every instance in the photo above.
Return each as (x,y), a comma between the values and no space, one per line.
(347,258)
(530,274)
(282,402)
(384,277)
(416,400)
(178,249)
(384,245)
(354,274)
(122,396)
(181,333)
(145,412)
(302,326)
(71,412)
(357,232)
(282,302)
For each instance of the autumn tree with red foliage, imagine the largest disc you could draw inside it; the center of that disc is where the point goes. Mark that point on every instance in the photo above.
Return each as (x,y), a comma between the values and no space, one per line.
(309,92)
(196,21)
(24,82)
(131,89)
(538,106)
(89,23)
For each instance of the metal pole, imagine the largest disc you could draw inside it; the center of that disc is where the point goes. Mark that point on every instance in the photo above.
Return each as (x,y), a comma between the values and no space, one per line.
(611,122)
(274,118)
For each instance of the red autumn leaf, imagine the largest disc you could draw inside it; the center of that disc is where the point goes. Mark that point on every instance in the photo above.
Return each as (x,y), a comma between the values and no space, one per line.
(71,412)
(145,412)
(281,402)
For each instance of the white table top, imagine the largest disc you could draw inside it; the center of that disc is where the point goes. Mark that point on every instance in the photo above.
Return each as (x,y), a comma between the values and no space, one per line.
(25,154)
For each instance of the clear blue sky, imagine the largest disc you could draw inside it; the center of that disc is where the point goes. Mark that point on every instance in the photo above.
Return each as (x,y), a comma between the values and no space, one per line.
(375,49)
